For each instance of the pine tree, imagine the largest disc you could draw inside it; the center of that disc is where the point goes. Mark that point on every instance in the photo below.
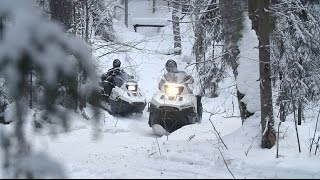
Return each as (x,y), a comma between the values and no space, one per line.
(53,55)
(295,47)
(261,24)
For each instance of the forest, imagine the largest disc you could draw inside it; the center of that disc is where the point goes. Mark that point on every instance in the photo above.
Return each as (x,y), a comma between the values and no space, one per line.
(254,93)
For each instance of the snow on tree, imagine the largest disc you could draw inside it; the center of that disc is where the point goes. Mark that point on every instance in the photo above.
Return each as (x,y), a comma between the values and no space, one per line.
(29,42)
(207,30)
(295,48)
(232,13)
(102,14)
(176,27)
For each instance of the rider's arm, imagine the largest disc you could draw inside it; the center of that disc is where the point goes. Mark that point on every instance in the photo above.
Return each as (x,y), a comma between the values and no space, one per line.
(190,79)
(161,83)
(111,72)
(187,78)
(104,77)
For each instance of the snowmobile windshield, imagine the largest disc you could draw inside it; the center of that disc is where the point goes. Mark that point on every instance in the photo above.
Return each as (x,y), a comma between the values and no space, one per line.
(177,77)
(122,77)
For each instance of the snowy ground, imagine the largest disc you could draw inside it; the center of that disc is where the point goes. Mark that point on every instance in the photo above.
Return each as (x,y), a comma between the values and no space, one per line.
(127,148)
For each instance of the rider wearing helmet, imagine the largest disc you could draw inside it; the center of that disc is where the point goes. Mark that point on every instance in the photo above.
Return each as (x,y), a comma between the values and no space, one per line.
(109,76)
(171,66)
(174,75)
(116,63)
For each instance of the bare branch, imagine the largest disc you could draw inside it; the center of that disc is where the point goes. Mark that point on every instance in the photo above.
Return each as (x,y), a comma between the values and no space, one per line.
(247,151)
(314,134)
(217,133)
(225,162)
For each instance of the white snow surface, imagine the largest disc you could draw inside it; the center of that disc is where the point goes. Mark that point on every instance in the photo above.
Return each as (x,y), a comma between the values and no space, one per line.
(248,77)
(125,147)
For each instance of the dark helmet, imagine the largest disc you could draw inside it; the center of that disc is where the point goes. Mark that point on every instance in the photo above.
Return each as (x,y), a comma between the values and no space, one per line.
(116,63)
(171,65)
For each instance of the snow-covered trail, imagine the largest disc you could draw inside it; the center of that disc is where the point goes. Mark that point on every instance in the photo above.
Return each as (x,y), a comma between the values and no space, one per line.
(127,147)
(131,150)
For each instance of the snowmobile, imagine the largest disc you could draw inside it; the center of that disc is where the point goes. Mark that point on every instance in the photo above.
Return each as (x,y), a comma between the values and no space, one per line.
(125,98)
(174,106)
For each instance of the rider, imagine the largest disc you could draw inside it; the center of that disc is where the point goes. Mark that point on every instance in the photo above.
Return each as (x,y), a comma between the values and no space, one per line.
(109,76)
(174,75)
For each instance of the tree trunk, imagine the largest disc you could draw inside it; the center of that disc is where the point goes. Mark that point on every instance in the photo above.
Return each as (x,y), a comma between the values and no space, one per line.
(176,28)
(61,10)
(300,101)
(74,24)
(87,21)
(282,110)
(31,89)
(126,10)
(231,10)
(260,19)
(199,35)
(1,27)
(299,112)
(153,6)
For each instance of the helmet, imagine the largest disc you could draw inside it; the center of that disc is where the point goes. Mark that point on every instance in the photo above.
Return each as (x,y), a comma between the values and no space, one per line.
(171,65)
(116,63)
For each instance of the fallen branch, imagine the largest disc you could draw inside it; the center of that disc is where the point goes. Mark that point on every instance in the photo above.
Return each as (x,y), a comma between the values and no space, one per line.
(225,162)
(231,116)
(152,153)
(191,137)
(217,132)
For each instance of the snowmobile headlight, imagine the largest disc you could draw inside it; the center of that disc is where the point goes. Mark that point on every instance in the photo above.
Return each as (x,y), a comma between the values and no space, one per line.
(173,90)
(132,87)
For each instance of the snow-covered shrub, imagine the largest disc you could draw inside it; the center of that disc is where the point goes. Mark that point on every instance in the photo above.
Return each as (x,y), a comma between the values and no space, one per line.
(31,43)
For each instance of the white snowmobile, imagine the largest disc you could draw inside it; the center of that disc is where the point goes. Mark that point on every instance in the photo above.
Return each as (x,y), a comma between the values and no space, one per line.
(174,106)
(125,98)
